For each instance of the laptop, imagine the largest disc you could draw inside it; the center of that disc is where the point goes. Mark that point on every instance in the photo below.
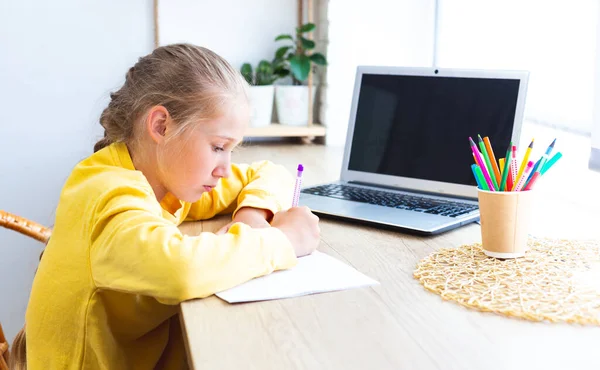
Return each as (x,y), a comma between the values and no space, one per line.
(407,159)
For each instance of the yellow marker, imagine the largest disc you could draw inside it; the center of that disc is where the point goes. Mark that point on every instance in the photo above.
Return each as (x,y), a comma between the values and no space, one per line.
(523,165)
(501,160)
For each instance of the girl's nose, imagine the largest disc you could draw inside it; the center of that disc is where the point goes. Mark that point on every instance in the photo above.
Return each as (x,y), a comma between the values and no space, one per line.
(222,171)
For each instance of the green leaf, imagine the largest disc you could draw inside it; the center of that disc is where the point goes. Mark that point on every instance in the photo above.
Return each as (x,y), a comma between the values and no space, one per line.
(278,63)
(281,51)
(264,73)
(281,72)
(307,44)
(264,67)
(300,66)
(319,59)
(284,37)
(246,68)
(308,27)
(246,71)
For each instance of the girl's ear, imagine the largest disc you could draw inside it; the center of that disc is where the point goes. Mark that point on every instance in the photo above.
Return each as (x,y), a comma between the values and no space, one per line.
(157,122)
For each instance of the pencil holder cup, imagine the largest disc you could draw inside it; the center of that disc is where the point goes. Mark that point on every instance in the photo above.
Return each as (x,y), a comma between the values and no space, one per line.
(505,221)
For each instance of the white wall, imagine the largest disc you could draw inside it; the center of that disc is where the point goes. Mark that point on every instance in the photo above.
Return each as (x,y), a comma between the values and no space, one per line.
(375,32)
(239,31)
(58,62)
(596,117)
(554,40)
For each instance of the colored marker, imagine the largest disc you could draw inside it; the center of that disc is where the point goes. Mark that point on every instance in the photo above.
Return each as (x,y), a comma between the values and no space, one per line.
(488,163)
(536,169)
(488,146)
(533,180)
(551,162)
(481,164)
(479,177)
(506,169)
(550,147)
(539,164)
(512,176)
(523,163)
(522,179)
(297,186)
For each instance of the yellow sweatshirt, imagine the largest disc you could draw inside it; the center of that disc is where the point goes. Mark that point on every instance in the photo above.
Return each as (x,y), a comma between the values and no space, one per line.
(106,291)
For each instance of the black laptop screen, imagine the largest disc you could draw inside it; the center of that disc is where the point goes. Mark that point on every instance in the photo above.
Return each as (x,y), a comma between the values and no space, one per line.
(418,126)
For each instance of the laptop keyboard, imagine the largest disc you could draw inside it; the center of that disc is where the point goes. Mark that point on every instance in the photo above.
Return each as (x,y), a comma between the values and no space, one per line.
(393,200)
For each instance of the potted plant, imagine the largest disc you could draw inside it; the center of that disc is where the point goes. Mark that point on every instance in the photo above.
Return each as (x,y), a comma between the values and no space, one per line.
(295,61)
(261,92)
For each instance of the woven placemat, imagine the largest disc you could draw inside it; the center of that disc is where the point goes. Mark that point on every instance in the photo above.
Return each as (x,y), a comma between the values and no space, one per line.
(556,280)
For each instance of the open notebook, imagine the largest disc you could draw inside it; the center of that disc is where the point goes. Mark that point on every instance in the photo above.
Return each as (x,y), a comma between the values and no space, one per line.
(315,273)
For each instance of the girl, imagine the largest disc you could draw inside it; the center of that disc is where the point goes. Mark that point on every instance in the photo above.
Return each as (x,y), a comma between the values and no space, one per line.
(106,291)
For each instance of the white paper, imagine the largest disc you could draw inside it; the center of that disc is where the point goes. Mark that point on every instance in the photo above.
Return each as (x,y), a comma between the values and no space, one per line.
(315,273)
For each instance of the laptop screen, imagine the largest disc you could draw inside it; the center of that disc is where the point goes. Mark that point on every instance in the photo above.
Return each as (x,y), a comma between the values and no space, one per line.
(418,126)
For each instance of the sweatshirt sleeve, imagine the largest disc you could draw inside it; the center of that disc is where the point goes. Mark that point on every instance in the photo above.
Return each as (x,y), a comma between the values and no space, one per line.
(134,250)
(259,185)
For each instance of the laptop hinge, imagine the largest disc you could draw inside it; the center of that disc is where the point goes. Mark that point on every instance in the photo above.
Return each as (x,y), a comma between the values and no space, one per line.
(411,190)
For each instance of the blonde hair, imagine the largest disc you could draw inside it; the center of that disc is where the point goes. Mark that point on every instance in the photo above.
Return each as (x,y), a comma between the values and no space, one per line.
(18,357)
(18,353)
(191,82)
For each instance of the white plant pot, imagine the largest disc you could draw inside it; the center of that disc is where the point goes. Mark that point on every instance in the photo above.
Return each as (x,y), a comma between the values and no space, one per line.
(292,104)
(261,105)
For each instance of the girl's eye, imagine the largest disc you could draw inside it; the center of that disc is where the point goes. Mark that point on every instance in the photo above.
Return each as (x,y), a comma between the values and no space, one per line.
(218,149)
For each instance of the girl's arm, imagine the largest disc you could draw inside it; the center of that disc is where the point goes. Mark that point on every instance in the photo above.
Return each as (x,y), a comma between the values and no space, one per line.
(134,250)
(261,185)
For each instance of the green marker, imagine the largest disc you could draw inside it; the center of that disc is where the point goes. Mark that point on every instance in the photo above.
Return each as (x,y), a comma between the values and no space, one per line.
(487,162)
(479,174)
(551,162)
(506,168)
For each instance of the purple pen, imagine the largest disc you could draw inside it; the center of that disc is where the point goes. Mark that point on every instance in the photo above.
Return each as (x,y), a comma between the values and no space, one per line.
(297,186)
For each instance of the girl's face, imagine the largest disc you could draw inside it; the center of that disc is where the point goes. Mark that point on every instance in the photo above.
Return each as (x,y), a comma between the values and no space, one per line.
(194,162)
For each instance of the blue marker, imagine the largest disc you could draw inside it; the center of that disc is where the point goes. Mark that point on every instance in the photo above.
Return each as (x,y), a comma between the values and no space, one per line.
(473,166)
(540,163)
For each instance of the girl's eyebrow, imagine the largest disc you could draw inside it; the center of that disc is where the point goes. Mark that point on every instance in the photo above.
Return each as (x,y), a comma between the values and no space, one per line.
(229,139)
(225,137)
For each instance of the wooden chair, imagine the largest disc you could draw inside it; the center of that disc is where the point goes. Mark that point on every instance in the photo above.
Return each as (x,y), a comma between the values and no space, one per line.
(25,226)
(33,230)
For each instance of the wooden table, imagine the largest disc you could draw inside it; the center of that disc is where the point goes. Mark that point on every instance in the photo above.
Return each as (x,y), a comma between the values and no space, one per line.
(396,325)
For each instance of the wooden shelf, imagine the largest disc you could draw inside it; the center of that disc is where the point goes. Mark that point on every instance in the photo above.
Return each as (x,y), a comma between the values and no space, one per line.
(277,130)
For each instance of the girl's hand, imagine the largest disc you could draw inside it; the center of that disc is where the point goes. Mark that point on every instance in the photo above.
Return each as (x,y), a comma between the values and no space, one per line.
(253,217)
(301,227)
